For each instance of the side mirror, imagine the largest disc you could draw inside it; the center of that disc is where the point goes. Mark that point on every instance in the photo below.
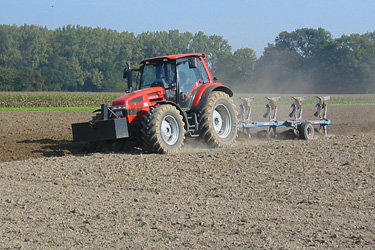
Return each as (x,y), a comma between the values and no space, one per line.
(193,62)
(126,70)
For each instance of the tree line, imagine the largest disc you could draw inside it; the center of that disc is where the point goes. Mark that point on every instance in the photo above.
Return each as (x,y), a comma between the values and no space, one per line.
(80,58)
(310,60)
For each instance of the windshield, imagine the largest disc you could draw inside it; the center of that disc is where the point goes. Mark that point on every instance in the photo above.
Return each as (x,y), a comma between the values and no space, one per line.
(155,72)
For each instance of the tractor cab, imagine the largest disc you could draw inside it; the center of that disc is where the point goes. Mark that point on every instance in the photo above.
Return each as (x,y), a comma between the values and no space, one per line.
(180,77)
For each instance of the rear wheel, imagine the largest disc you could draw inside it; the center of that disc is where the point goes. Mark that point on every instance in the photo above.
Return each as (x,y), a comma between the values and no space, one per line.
(218,122)
(306,131)
(163,129)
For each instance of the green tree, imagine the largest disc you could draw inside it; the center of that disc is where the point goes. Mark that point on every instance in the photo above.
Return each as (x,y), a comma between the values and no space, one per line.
(354,64)
(10,55)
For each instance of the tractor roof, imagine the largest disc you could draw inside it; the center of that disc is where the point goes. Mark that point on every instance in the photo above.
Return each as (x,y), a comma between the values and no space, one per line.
(174,56)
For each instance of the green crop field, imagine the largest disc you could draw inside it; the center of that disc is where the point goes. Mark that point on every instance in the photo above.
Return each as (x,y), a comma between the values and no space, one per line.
(54,101)
(87,101)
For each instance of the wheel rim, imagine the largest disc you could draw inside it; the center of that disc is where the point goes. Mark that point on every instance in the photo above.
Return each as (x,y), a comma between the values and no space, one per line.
(309,132)
(222,121)
(170,130)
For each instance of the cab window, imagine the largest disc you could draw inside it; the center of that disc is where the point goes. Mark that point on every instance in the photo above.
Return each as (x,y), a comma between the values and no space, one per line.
(157,71)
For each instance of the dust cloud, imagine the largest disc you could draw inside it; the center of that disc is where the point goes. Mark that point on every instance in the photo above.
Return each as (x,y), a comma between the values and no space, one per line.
(273,80)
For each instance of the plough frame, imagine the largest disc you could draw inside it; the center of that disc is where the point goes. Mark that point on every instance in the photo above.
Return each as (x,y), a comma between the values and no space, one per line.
(301,127)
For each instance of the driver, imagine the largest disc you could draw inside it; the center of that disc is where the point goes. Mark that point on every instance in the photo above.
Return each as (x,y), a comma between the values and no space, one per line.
(184,82)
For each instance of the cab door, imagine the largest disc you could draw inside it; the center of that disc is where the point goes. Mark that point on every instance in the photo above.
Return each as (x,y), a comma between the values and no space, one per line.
(191,75)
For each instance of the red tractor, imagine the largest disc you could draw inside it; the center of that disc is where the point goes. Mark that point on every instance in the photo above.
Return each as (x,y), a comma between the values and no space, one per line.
(173,96)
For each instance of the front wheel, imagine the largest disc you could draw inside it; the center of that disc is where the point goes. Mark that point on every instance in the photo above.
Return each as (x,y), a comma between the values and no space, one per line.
(163,129)
(218,120)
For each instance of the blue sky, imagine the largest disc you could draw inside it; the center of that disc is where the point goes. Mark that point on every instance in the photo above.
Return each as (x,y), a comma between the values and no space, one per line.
(252,23)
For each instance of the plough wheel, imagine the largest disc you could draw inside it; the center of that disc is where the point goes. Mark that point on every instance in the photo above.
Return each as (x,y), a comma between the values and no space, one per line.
(163,129)
(306,131)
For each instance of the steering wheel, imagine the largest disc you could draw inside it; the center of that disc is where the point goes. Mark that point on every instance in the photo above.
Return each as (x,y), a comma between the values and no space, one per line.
(160,83)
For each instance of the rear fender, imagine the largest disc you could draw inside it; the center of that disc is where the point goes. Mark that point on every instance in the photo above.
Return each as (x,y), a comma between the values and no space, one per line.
(201,97)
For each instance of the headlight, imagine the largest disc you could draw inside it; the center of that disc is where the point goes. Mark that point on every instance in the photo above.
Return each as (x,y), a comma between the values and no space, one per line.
(119,107)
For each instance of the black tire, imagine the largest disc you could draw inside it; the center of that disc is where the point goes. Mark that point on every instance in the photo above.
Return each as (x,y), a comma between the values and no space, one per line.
(218,120)
(306,131)
(163,130)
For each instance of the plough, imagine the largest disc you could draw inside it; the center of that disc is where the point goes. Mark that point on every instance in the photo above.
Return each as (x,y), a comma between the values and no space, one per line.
(303,128)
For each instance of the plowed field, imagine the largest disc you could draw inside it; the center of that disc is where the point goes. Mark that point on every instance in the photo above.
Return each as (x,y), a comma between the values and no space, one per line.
(261,193)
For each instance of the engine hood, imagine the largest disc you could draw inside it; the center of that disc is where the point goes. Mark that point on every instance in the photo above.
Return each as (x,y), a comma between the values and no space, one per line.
(142,95)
